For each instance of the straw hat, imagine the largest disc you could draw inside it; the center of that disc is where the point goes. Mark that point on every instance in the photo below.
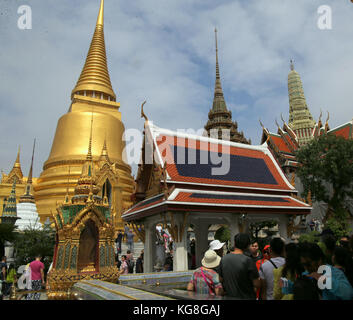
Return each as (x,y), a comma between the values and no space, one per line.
(210,259)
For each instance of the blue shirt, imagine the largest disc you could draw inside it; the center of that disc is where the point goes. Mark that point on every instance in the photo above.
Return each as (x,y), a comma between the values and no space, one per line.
(341,288)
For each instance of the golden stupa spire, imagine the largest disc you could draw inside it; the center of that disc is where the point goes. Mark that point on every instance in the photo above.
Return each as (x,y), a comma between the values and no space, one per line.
(104,155)
(17,162)
(28,197)
(29,180)
(94,80)
(16,170)
(218,87)
(86,184)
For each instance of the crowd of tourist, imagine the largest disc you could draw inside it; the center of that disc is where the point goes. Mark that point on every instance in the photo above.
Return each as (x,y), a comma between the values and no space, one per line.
(33,275)
(293,271)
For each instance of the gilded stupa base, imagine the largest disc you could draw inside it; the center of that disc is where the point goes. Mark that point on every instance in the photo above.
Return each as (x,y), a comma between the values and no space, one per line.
(60,282)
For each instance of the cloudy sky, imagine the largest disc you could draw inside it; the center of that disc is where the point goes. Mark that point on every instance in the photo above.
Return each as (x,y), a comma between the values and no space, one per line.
(163,51)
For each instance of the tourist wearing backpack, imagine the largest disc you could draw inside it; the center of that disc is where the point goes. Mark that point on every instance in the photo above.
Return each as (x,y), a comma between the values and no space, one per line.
(130,261)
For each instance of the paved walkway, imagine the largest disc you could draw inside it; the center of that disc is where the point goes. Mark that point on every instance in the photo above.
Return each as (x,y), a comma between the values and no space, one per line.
(43,296)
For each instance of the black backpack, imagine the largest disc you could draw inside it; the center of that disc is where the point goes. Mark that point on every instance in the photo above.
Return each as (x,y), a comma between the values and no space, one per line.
(130,265)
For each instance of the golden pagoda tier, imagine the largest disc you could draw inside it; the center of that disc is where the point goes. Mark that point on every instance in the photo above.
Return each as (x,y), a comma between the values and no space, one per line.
(92,97)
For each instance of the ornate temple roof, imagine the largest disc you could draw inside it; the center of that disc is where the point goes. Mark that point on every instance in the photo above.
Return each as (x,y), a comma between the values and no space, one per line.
(344,130)
(95,76)
(250,167)
(284,144)
(15,173)
(251,181)
(219,116)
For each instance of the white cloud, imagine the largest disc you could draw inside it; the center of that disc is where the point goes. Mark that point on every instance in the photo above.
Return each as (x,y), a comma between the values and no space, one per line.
(163,51)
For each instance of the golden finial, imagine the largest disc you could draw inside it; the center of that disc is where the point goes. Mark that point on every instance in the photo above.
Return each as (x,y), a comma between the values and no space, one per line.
(17,162)
(326,124)
(282,118)
(320,117)
(105,198)
(291,65)
(104,155)
(263,127)
(142,113)
(328,117)
(277,124)
(100,19)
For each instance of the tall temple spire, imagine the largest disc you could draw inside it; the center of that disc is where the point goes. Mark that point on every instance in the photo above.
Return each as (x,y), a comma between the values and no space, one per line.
(17,162)
(94,80)
(28,197)
(104,155)
(220,118)
(29,180)
(86,184)
(218,87)
(300,118)
(89,153)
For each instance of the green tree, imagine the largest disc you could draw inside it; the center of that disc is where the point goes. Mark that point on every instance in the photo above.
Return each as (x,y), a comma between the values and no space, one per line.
(312,237)
(256,227)
(30,242)
(326,171)
(222,234)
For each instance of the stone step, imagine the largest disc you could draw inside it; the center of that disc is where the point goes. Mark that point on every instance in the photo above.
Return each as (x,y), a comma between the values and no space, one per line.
(138,246)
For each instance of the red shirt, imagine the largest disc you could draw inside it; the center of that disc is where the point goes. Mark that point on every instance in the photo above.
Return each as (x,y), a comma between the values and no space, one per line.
(36,266)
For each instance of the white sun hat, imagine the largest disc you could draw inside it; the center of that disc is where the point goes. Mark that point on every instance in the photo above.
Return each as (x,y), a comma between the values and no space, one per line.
(216,245)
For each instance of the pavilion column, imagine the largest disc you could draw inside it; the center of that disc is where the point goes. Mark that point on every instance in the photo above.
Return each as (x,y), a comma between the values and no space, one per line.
(201,241)
(282,226)
(148,256)
(180,256)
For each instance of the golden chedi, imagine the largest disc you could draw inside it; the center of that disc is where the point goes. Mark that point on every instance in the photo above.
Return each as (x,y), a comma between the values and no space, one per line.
(93,95)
